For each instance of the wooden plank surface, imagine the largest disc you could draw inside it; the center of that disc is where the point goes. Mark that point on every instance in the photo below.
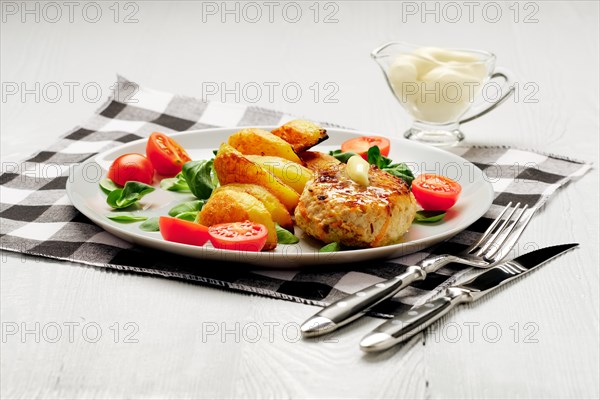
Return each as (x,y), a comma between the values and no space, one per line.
(555,312)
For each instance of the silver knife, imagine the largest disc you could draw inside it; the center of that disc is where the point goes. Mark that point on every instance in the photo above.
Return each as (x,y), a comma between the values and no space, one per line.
(356,305)
(416,319)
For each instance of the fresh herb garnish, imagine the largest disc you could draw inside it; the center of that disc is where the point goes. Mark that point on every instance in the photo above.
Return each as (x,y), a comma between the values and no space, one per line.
(126,218)
(150,225)
(200,177)
(188,216)
(331,247)
(400,170)
(187,210)
(188,206)
(384,163)
(129,195)
(175,184)
(108,185)
(284,236)
(429,217)
(375,157)
(342,156)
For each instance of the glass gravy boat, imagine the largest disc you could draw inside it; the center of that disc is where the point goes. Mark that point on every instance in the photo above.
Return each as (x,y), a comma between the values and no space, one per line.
(439,87)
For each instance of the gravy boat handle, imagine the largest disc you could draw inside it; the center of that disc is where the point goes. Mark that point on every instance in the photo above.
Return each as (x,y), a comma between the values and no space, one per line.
(507,89)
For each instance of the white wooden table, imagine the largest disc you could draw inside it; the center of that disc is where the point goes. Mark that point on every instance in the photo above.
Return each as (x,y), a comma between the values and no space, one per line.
(177,47)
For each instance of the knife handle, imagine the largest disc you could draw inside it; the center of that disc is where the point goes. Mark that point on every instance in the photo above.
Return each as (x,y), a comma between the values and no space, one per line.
(355,305)
(409,323)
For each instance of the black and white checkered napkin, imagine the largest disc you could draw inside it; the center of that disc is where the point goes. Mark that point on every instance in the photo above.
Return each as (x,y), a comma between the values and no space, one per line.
(37,218)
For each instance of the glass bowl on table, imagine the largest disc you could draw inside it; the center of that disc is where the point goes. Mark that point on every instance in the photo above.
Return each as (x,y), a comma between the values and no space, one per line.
(442,88)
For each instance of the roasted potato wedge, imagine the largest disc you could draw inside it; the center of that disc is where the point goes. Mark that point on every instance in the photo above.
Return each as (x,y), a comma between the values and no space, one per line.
(233,167)
(262,143)
(315,160)
(278,212)
(301,134)
(292,174)
(234,206)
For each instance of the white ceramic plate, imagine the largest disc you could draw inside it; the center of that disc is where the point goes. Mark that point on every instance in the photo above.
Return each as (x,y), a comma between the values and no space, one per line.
(475,199)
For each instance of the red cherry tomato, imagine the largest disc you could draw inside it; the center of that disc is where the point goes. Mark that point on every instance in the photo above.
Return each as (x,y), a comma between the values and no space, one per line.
(166,154)
(435,192)
(131,167)
(246,236)
(182,231)
(361,145)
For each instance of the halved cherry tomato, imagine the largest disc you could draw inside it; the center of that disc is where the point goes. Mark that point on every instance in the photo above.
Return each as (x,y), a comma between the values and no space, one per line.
(435,192)
(246,236)
(182,231)
(131,167)
(361,145)
(166,154)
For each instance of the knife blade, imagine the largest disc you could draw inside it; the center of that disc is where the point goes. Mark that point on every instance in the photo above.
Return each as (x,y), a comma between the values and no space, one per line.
(418,318)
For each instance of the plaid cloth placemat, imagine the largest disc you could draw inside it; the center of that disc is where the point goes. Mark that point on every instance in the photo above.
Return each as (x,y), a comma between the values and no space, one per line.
(37,218)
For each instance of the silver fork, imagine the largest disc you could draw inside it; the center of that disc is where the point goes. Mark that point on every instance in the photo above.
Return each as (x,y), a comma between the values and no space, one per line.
(493,245)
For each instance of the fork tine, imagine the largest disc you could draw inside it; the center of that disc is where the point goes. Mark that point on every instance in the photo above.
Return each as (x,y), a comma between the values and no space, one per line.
(491,240)
(489,230)
(511,237)
(496,244)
